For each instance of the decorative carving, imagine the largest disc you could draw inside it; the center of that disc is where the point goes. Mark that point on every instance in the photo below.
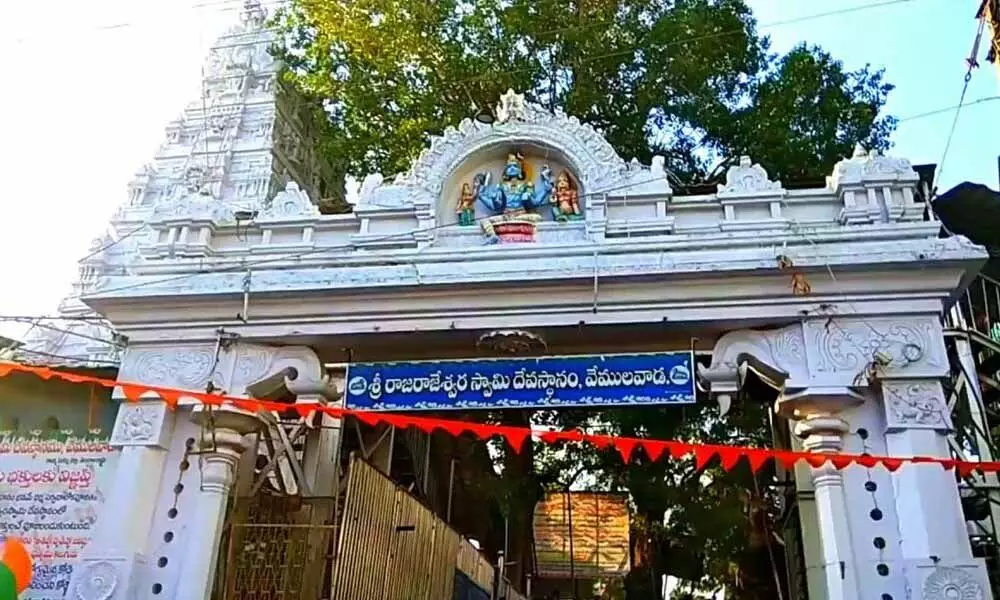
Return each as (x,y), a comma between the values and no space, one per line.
(949,583)
(98,581)
(185,367)
(194,207)
(782,349)
(371,182)
(589,154)
(748,179)
(511,107)
(289,204)
(864,167)
(851,344)
(138,423)
(918,404)
(511,342)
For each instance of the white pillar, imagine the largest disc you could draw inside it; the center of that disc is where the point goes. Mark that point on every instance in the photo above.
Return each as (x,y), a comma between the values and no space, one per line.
(115,554)
(822,432)
(934,541)
(221,445)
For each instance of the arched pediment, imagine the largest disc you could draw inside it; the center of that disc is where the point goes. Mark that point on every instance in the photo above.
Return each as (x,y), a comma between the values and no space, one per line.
(595,164)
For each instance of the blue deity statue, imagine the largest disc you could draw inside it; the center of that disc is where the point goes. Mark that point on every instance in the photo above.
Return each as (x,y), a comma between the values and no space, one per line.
(514,194)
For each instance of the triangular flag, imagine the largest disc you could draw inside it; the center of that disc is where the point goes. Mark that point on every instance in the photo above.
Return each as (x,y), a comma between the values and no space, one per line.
(654,450)
(702,454)
(679,449)
(368,417)
(132,392)
(625,446)
(516,436)
(170,398)
(757,458)
(786,458)
(866,460)
(304,409)
(841,461)
(728,457)
(816,460)
(891,464)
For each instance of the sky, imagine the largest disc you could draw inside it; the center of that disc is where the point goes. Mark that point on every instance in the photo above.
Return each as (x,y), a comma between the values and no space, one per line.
(90,87)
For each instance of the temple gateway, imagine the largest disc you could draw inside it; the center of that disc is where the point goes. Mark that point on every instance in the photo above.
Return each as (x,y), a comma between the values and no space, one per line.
(504,242)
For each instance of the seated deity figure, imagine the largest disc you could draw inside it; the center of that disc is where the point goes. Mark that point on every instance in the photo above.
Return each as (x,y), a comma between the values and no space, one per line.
(514,194)
(566,200)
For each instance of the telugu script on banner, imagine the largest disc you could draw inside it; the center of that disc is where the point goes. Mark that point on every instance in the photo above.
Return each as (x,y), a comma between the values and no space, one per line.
(600,535)
(51,492)
(546,382)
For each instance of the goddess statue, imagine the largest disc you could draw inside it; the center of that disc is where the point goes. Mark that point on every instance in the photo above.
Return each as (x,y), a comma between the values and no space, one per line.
(466,208)
(566,200)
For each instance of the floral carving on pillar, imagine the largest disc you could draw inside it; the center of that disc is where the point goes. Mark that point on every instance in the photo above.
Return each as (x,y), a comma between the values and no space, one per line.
(188,367)
(139,424)
(915,404)
(98,582)
(948,583)
(914,345)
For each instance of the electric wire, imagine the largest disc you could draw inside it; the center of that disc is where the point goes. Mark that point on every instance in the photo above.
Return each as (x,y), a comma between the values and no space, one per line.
(947,109)
(223,7)
(38,324)
(75,359)
(972,64)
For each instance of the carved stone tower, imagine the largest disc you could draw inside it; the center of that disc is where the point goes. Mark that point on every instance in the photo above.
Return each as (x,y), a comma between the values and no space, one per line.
(233,149)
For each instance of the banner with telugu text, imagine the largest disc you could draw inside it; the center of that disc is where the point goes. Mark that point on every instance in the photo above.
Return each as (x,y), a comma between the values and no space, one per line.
(51,492)
(543,382)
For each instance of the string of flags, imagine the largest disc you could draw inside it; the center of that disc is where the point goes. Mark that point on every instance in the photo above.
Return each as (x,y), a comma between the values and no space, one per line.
(703,454)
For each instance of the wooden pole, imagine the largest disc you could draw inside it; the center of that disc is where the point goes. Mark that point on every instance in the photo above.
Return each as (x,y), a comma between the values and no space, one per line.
(451,490)
(572,559)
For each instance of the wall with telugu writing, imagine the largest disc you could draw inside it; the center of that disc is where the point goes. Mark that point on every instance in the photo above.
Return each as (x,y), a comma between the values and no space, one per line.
(55,467)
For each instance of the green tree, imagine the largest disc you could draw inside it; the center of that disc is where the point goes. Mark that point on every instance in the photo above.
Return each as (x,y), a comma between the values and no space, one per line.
(690,79)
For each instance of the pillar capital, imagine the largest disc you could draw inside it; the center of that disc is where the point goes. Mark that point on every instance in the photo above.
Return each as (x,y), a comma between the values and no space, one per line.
(822,433)
(222,443)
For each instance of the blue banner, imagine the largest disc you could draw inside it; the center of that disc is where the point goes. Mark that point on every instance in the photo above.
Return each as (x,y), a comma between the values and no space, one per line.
(546,382)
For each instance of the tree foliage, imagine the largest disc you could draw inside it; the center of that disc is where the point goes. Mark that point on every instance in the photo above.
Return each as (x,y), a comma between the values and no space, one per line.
(692,80)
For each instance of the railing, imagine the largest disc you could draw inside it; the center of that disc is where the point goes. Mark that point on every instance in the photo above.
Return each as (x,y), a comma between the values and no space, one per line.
(978,310)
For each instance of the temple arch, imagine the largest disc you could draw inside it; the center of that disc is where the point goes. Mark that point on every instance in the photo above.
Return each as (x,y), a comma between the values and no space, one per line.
(434,180)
